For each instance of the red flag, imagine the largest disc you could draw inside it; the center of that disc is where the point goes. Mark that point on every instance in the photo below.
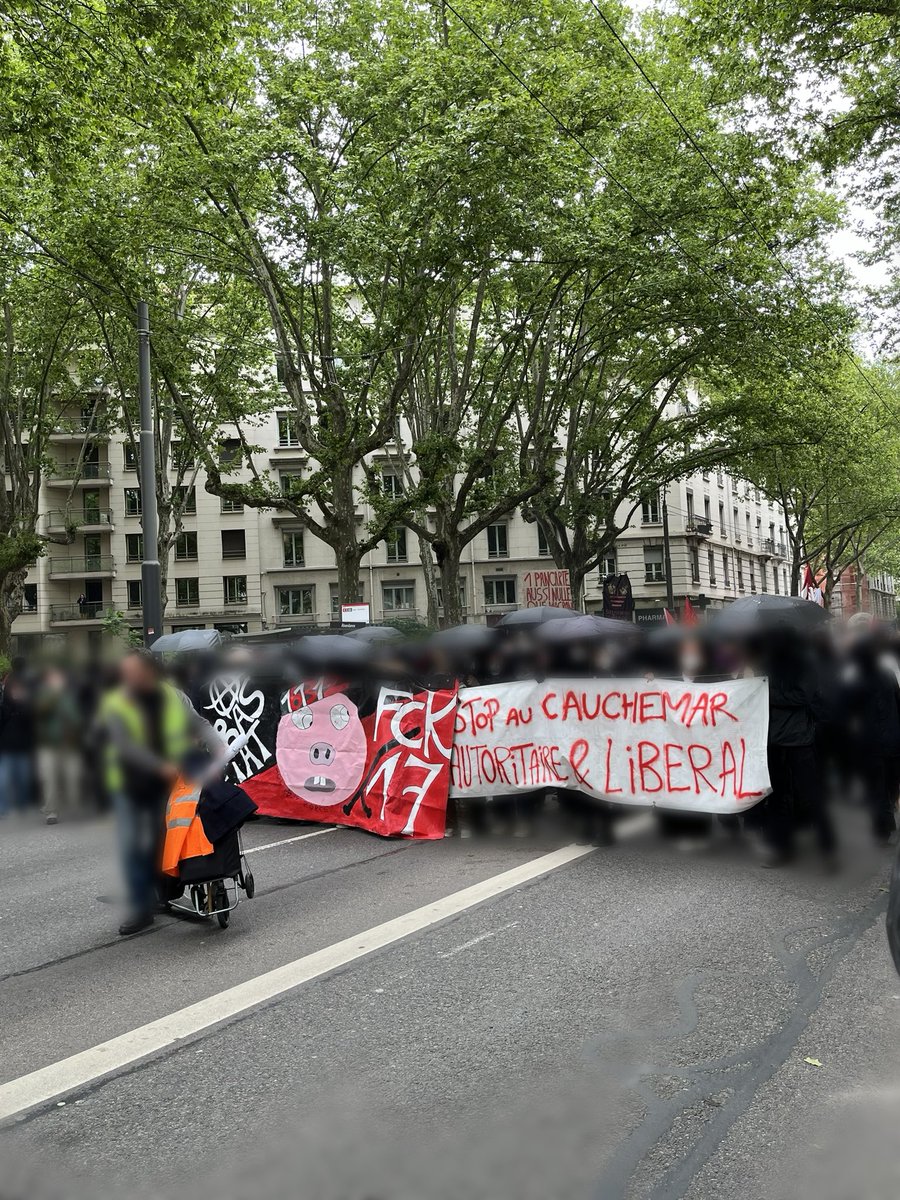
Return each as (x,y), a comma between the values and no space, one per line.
(809,589)
(688,616)
(670,620)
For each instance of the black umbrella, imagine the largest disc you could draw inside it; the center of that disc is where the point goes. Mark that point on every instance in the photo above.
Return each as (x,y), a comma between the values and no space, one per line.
(330,652)
(526,618)
(585,627)
(375,633)
(464,639)
(766,614)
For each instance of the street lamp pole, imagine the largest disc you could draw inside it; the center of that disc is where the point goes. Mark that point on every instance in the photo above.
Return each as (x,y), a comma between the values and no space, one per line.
(151,596)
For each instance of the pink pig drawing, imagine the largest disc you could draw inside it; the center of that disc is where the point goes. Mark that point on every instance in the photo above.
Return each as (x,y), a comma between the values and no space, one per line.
(321,751)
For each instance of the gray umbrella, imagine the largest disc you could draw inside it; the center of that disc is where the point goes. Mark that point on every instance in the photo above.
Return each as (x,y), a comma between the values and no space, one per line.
(375,633)
(187,639)
(465,639)
(766,613)
(585,627)
(525,618)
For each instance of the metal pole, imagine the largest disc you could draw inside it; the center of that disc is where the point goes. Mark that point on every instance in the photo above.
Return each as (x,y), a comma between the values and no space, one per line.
(667,552)
(150,571)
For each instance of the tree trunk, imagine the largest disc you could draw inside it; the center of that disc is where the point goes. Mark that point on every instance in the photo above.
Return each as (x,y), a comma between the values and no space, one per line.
(344,540)
(795,570)
(576,587)
(449,562)
(857,586)
(11,585)
(163,545)
(348,559)
(568,557)
(431,582)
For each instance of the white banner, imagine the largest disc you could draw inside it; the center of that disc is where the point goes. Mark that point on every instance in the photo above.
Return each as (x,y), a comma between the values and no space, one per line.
(686,746)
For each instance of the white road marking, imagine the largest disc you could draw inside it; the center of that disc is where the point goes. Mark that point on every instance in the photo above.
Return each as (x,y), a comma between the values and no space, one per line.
(482,937)
(299,838)
(51,1082)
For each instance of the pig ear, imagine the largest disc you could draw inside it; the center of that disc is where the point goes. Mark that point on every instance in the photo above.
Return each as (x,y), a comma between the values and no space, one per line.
(340,716)
(302,718)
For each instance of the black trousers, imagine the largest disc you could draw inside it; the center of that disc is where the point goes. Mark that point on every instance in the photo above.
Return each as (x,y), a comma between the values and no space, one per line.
(881,781)
(797,793)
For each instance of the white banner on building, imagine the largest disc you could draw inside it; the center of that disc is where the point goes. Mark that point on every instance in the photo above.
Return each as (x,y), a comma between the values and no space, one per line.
(691,747)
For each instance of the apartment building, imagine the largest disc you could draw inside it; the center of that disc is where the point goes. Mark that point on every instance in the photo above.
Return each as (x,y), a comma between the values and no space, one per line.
(727,540)
(861,591)
(241,570)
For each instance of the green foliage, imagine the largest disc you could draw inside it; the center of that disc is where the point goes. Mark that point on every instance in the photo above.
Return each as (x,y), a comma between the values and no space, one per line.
(19,551)
(118,630)
(499,278)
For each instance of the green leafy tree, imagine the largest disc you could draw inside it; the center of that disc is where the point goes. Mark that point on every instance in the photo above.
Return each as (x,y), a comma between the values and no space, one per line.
(46,385)
(838,481)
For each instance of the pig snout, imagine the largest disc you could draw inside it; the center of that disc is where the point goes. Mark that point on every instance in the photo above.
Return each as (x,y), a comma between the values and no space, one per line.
(321,754)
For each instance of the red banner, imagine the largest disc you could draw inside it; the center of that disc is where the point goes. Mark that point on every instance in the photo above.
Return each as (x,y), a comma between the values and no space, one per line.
(376,758)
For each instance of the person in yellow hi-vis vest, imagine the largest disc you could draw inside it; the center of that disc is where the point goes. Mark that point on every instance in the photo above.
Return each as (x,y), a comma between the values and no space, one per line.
(149,727)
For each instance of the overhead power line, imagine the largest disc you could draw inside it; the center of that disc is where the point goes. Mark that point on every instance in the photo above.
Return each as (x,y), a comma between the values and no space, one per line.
(729,191)
(638,204)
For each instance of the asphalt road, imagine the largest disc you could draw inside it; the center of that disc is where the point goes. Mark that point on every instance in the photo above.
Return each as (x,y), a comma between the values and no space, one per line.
(634,1022)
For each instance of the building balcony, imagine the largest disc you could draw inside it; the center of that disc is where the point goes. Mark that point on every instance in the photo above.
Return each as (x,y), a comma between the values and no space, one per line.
(88,566)
(194,612)
(89,474)
(700,527)
(77,429)
(85,520)
(90,613)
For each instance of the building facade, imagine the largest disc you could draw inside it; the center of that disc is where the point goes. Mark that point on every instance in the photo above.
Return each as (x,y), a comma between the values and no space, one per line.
(727,540)
(859,591)
(242,569)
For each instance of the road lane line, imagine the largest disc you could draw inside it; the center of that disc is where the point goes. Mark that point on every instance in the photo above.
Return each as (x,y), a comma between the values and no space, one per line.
(482,937)
(299,838)
(49,1083)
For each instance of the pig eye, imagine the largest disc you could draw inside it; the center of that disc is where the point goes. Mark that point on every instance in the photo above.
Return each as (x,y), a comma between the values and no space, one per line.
(302,718)
(340,717)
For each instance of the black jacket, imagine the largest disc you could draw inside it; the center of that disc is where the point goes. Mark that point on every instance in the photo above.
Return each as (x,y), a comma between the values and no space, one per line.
(796,702)
(871,701)
(16,717)
(223,808)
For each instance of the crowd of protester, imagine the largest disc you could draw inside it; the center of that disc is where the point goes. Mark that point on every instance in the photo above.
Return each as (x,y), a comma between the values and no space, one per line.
(48,739)
(833,735)
(834,717)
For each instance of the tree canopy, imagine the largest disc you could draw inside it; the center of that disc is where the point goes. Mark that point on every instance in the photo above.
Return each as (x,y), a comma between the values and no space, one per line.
(520,253)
